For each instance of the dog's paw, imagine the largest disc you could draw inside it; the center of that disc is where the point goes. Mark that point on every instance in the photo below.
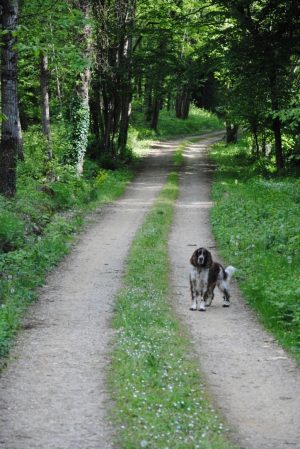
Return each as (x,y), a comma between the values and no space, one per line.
(193,307)
(202,307)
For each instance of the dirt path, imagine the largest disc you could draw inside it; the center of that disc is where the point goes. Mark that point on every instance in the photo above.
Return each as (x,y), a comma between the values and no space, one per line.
(52,396)
(254,382)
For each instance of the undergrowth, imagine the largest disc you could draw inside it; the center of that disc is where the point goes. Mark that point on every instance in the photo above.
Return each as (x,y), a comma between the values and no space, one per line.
(256,221)
(159,399)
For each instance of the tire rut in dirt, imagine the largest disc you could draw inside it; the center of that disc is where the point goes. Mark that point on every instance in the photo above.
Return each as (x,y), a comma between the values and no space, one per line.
(253,381)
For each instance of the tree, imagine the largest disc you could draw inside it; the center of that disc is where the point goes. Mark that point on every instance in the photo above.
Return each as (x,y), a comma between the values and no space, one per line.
(11,142)
(80,111)
(259,40)
(112,75)
(45,102)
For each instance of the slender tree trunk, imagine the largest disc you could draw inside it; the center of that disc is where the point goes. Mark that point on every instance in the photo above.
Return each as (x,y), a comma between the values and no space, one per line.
(178,104)
(182,106)
(58,84)
(126,94)
(148,102)
(155,114)
(11,143)
(276,123)
(263,142)
(124,122)
(185,105)
(231,133)
(44,75)
(278,144)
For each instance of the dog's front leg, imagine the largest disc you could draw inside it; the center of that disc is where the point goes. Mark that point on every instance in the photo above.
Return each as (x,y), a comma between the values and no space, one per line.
(208,296)
(202,301)
(194,292)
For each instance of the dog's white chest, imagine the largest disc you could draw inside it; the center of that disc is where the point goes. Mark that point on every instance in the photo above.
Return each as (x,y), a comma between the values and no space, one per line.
(200,278)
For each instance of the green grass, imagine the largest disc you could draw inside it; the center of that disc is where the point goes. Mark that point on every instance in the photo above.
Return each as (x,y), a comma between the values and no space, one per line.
(198,122)
(256,221)
(159,398)
(56,218)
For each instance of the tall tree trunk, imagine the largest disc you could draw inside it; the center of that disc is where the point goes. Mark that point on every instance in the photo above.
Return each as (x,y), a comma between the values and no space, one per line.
(80,109)
(44,74)
(11,143)
(126,82)
(148,102)
(124,122)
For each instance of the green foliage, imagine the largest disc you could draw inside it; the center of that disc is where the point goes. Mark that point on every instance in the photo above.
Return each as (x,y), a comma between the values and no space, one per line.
(11,231)
(199,122)
(54,29)
(155,385)
(258,71)
(257,225)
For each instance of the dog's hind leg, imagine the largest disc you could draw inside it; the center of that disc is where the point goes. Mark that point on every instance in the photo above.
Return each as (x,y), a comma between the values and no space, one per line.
(226,298)
(223,286)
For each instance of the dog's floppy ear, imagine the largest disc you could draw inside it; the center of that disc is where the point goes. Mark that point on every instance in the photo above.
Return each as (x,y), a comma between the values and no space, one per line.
(194,258)
(209,260)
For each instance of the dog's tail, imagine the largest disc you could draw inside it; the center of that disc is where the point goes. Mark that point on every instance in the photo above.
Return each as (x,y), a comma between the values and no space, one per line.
(230,270)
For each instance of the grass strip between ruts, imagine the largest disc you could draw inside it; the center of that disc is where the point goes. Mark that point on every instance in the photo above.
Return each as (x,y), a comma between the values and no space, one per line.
(159,401)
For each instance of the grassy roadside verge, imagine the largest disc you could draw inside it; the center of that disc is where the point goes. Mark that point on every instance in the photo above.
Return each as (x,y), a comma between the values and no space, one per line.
(159,399)
(25,268)
(256,222)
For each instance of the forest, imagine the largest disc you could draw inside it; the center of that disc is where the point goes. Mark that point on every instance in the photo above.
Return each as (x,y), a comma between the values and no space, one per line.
(75,75)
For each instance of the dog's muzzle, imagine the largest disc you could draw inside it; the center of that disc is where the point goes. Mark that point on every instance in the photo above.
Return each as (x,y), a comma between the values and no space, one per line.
(201,260)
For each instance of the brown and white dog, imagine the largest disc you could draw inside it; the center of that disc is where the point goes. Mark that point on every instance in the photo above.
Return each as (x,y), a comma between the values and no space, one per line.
(205,275)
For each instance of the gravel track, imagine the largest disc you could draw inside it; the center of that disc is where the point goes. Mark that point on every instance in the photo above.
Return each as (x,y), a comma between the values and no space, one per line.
(53,393)
(253,382)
